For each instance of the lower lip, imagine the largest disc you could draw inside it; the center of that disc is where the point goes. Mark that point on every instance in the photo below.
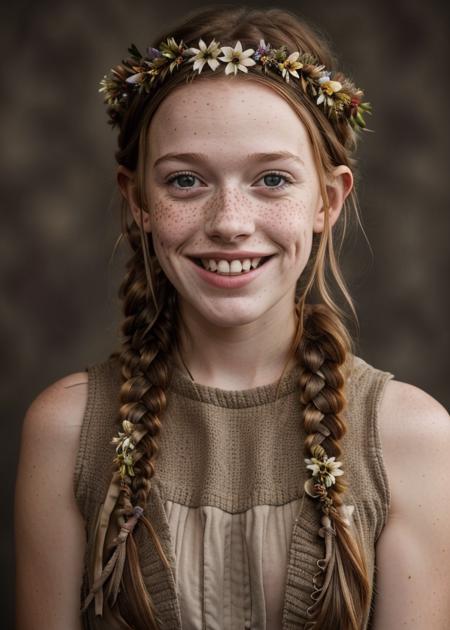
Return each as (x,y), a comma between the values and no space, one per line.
(229,282)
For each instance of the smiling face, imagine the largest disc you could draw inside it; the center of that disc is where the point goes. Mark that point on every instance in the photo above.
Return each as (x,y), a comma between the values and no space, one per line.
(230,175)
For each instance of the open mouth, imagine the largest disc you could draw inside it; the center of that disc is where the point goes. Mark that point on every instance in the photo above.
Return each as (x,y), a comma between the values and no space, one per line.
(231,267)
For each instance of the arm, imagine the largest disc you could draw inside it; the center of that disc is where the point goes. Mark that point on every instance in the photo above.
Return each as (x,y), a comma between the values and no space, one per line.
(49,529)
(413,551)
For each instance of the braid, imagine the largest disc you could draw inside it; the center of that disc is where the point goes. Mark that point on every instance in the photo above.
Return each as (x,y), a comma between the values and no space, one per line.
(341,594)
(149,337)
(147,347)
(145,373)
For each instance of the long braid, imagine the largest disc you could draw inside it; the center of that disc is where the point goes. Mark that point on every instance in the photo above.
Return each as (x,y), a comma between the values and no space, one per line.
(147,347)
(342,593)
(149,338)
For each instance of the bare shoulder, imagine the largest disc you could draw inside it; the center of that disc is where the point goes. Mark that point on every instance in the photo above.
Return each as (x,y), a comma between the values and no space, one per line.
(52,425)
(49,528)
(415,434)
(67,395)
(413,551)
(411,423)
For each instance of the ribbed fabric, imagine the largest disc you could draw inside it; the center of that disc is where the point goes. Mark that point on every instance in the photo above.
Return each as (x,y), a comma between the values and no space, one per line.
(227,495)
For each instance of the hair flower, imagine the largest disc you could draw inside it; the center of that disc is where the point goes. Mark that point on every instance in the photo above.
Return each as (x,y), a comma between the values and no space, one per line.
(338,99)
(324,472)
(205,54)
(263,51)
(124,446)
(290,66)
(237,59)
(327,88)
(153,53)
(325,468)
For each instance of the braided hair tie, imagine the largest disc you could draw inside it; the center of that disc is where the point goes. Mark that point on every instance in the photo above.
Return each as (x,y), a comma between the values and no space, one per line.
(126,456)
(114,566)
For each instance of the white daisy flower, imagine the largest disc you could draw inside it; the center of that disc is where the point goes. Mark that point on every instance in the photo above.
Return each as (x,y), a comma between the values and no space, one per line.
(237,59)
(205,54)
(327,469)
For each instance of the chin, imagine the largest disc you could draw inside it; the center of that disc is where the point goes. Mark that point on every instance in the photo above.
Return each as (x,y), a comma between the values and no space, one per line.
(232,314)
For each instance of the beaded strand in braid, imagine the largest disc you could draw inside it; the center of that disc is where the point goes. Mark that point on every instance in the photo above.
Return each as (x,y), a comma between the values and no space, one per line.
(322,351)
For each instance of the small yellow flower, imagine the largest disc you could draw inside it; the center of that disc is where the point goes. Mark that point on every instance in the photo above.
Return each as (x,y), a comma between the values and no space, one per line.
(237,59)
(290,66)
(327,89)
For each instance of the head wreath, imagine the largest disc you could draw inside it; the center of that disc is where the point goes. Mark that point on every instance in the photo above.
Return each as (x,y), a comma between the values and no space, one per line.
(335,94)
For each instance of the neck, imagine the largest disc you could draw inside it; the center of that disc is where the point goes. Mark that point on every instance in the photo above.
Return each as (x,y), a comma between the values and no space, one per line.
(238,357)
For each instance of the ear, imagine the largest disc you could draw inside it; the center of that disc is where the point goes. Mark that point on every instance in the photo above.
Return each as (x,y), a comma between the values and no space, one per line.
(338,187)
(126,180)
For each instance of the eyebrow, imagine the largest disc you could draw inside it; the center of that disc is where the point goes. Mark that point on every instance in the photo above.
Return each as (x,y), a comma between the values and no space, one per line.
(258,157)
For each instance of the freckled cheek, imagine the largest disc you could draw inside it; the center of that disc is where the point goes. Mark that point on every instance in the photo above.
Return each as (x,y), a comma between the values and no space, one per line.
(172,222)
(290,223)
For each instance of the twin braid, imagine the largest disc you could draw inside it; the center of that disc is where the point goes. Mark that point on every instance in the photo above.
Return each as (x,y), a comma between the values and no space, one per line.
(341,595)
(149,337)
(341,587)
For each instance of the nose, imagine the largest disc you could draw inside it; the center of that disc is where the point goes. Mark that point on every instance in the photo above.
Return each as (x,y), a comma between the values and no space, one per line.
(229,217)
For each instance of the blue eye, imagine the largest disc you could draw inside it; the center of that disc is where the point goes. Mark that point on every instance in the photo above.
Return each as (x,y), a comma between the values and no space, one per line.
(272,180)
(275,180)
(184,180)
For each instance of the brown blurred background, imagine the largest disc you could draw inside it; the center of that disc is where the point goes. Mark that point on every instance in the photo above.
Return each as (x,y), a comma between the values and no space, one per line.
(59,310)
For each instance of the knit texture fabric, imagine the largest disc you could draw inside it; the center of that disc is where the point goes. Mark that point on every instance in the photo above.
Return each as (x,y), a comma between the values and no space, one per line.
(234,450)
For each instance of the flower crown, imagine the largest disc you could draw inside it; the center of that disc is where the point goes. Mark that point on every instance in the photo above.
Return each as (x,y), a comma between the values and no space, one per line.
(332,92)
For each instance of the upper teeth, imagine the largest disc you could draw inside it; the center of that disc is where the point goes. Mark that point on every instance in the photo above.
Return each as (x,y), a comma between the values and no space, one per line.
(233,266)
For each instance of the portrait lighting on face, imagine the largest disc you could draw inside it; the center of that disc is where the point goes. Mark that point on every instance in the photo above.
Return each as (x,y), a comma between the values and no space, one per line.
(234,195)
(233,463)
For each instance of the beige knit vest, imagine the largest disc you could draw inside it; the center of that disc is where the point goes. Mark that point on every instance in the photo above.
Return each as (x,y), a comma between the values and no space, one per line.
(192,460)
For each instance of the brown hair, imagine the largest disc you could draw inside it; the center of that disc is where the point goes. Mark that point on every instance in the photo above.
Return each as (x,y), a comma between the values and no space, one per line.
(322,344)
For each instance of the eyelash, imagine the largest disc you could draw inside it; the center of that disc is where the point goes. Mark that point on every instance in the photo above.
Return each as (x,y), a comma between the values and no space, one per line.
(287,182)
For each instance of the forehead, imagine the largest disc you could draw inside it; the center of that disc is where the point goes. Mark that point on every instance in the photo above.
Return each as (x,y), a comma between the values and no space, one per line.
(226,114)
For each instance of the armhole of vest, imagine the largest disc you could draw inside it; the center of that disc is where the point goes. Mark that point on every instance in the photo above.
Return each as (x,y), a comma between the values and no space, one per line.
(381,379)
(79,486)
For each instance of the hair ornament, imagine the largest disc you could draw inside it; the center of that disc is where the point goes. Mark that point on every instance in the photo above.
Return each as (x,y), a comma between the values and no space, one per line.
(126,442)
(334,93)
(109,577)
(324,471)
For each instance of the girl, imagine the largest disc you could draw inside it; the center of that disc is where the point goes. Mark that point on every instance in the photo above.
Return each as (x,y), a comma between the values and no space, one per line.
(235,465)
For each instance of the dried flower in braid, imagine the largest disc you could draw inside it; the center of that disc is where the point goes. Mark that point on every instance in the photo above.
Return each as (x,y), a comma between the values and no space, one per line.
(126,443)
(323,349)
(324,472)
(149,337)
